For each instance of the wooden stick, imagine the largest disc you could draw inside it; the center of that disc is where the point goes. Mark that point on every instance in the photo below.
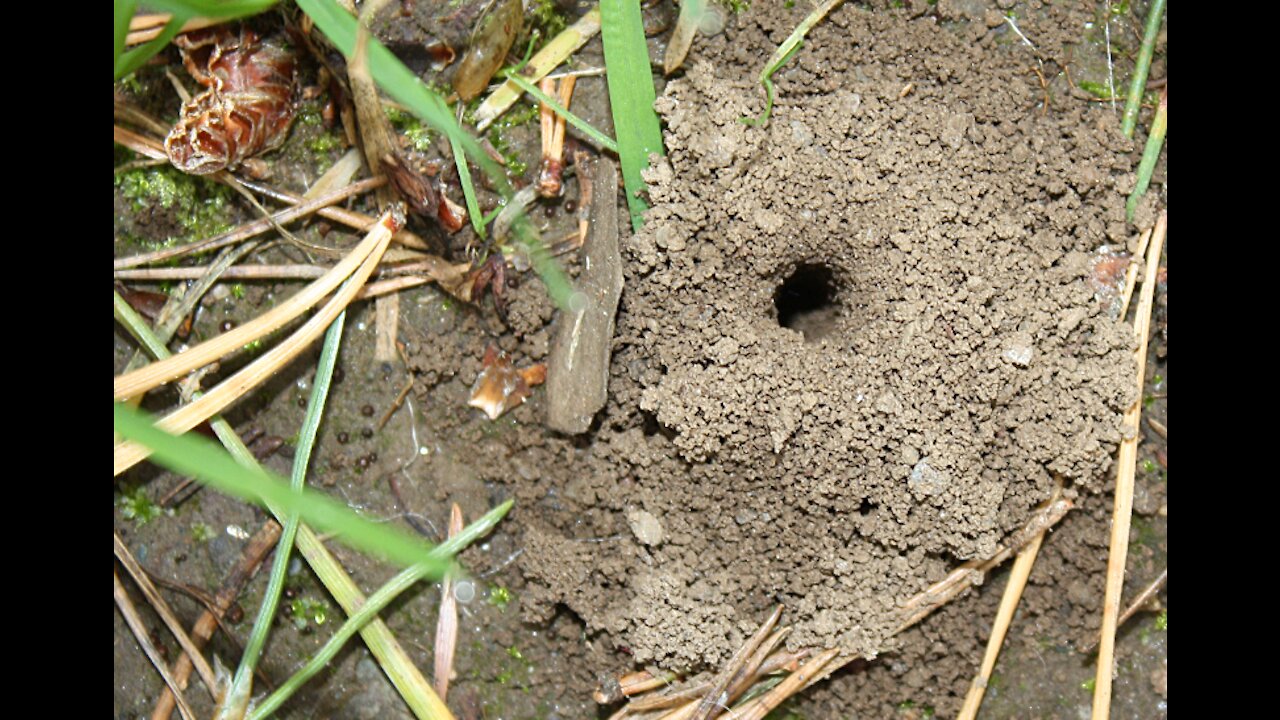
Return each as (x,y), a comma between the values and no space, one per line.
(1127,463)
(140,634)
(255,551)
(1004,616)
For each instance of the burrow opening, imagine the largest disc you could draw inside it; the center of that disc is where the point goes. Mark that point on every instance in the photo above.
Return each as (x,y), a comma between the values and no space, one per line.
(807,301)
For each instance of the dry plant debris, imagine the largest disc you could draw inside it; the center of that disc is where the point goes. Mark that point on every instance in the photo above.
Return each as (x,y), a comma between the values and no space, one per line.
(500,387)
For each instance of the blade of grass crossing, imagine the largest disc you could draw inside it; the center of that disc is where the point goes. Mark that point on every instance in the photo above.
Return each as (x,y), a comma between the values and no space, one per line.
(391,657)
(406,579)
(124,13)
(202,460)
(631,96)
(237,698)
(605,141)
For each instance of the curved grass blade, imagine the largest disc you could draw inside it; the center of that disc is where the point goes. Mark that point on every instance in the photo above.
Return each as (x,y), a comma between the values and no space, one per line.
(236,700)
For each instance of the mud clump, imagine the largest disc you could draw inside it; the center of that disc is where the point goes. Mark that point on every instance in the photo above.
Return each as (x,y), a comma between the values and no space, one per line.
(856,346)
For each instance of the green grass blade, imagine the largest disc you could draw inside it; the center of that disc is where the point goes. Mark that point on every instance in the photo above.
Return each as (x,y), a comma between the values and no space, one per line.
(217,9)
(631,95)
(124,13)
(135,58)
(202,460)
(236,700)
(377,601)
(468,188)
(182,11)
(783,55)
(1129,120)
(393,659)
(603,140)
(1150,154)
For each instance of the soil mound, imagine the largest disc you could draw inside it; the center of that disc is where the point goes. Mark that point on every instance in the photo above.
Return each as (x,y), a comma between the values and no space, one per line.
(855,346)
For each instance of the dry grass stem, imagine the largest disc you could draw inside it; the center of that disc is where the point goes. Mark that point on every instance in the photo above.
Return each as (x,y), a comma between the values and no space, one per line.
(128,453)
(140,634)
(1004,616)
(140,144)
(1131,273)
(1139,602)
(352,219)
(162,371)
(613,689)
(162,609)
(803,676)
(255,551)
(549,181)
(717,698)
(253,228)
(1127,464)
(145,28)
(447,625)
(750,672)
(395,405)
(544,61)
(959,579)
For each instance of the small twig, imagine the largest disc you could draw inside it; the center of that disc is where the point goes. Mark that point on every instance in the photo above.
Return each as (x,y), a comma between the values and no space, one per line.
(140,634)
(613,689)
(404,392)
(447,625)
(166,614)
(717,699)
(1138,603)
(250,229)
(255,551)
(1127,464)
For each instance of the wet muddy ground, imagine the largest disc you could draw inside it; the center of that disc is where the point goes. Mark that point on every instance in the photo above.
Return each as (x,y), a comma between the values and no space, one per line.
(855,348)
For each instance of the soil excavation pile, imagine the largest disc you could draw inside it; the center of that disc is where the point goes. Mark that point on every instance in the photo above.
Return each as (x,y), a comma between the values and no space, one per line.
(855,346)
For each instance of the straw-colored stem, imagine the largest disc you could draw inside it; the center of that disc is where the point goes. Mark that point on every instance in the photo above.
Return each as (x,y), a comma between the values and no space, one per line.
(391,657)
(801,678)
(160,372)
(128,454)
(1131,272)
(140,634)
(542,62)
(250,229)
(1127,464)
(170,620)
(447,624)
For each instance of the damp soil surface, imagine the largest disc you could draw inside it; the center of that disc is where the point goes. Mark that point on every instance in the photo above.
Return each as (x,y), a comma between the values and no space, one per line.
(856,347)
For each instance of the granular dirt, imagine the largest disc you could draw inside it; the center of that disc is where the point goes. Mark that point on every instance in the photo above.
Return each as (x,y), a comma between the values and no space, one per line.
(948,361)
